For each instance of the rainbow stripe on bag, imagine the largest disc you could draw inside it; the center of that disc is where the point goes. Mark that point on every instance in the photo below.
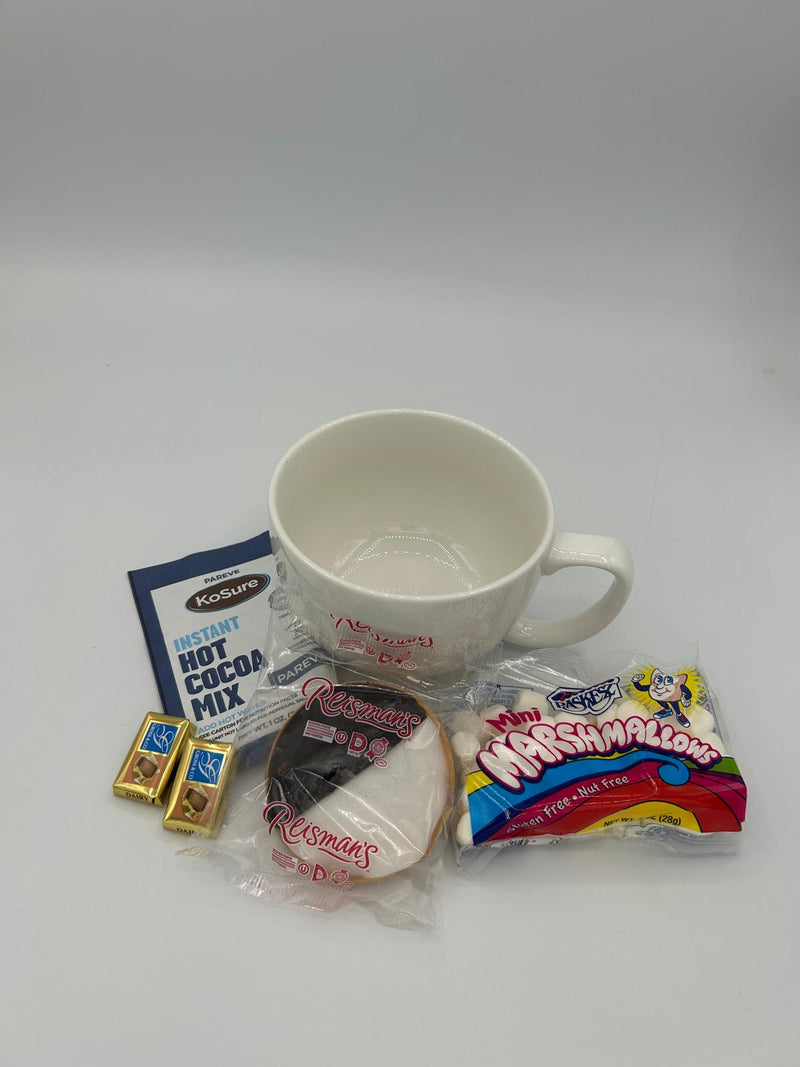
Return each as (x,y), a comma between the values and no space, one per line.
(589,794)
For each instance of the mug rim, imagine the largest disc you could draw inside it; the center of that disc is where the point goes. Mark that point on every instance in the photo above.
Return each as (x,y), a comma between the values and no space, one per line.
(277,527)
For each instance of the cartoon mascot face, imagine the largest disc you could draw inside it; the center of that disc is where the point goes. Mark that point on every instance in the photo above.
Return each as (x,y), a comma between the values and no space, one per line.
(665,687)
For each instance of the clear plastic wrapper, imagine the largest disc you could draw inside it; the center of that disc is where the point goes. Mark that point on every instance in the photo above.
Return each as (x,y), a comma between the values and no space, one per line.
(553,747)
(349,802)
(370,763)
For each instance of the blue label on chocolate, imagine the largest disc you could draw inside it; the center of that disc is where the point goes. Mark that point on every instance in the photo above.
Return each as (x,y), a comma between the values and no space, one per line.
(205,767)
(159,738)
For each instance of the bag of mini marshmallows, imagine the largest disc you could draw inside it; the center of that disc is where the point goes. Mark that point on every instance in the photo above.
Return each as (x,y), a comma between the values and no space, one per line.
(551,749)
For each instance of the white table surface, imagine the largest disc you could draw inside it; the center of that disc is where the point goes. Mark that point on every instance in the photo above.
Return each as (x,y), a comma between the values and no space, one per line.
(223,224)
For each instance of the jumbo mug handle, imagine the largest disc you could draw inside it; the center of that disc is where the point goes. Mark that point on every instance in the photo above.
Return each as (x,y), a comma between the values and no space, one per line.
(580,550)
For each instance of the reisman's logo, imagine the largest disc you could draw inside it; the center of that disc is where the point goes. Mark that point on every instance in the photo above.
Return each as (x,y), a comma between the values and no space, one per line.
(224,595)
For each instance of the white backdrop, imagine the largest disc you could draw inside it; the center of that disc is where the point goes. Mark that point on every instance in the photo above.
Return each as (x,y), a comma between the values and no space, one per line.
(222,224)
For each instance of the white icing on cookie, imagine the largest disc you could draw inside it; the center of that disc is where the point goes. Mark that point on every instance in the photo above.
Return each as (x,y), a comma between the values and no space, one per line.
(380,821)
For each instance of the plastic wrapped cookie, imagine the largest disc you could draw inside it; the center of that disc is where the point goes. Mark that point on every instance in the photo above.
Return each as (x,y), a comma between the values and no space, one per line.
(359,781)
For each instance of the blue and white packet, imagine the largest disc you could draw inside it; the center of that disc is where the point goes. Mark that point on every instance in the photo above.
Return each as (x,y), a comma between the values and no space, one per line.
(205,619)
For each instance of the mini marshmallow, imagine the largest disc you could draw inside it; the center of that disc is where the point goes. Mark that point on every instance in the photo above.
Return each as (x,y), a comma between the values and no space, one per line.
(627,709)
(701,720)
(528,699)
(464,831)
(622,709)
(493,712)
(506,717)
(564,716)
(465,747)
(468,721)
(715,741)
(548,720)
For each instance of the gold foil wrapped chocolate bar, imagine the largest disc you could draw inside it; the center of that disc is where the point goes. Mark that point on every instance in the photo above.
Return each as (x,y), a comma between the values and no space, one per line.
(197,801)
(148,767)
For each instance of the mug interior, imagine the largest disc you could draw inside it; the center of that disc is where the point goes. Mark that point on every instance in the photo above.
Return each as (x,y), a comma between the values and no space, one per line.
(411,503)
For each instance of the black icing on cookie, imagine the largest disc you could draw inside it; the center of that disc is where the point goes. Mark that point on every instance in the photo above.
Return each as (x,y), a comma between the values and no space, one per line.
(339,732)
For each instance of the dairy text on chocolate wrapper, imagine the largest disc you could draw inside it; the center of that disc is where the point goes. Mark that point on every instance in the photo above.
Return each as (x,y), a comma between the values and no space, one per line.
(517,755)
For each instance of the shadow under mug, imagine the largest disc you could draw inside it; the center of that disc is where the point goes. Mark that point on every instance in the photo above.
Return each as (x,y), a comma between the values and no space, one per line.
(417,539)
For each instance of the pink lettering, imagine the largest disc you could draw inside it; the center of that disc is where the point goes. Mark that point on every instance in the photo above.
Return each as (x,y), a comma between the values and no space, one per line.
(364,628)
(614,734)
(520,754)
(276,813)
(334,701)
(295,830)
(701,752)
(564,741)
(507,767)
(321,691)
(680,742)
(544,737)
(506,719)
(652,735)
(358,744)
(636,728)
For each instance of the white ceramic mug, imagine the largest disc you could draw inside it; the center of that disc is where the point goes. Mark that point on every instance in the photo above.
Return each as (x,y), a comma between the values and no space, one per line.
(417,538)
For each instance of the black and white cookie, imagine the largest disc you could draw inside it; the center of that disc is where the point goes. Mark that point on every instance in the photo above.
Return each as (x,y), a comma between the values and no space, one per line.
(359,780)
